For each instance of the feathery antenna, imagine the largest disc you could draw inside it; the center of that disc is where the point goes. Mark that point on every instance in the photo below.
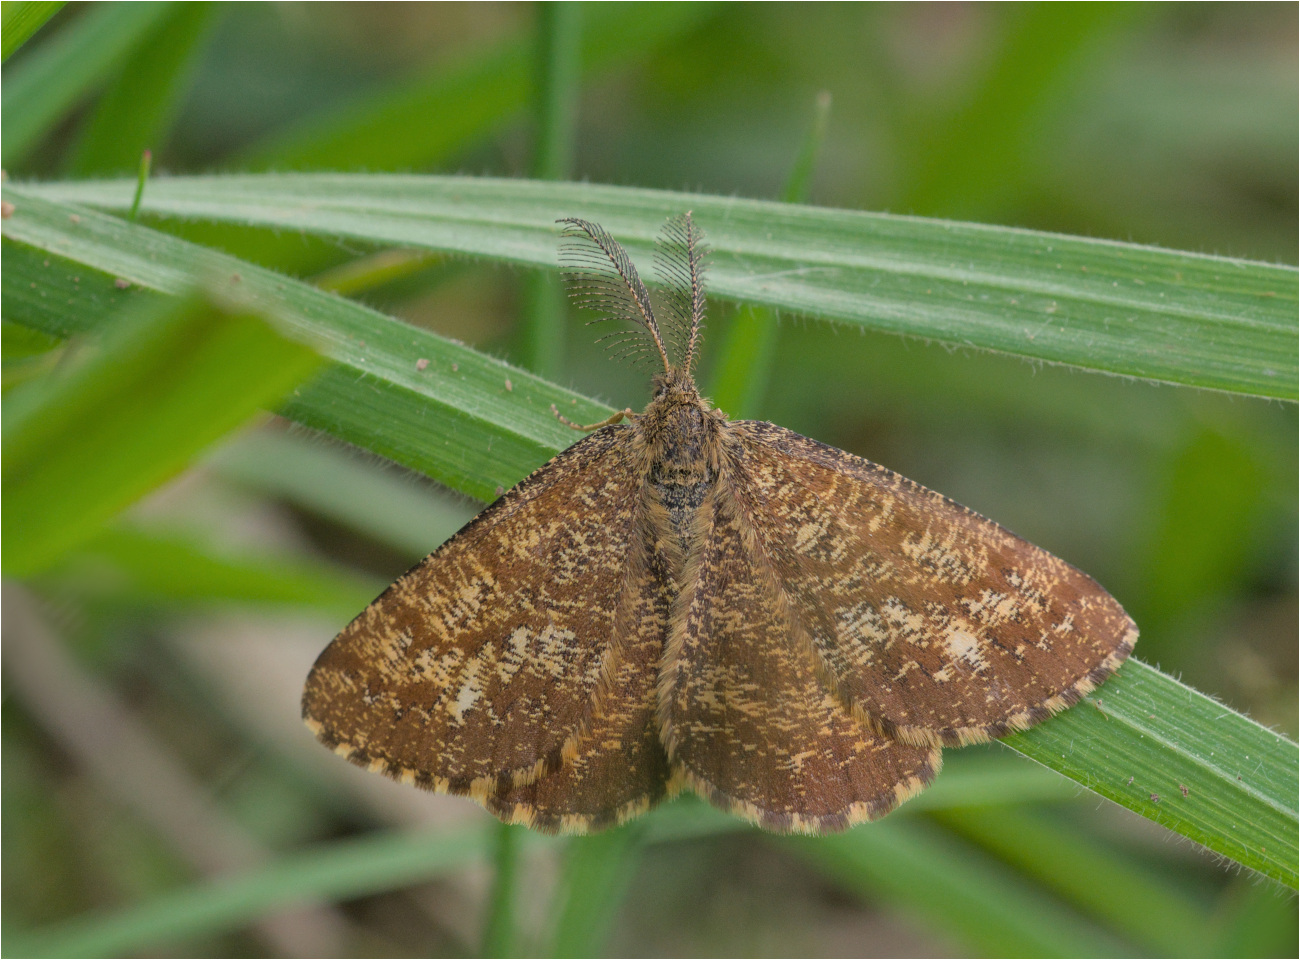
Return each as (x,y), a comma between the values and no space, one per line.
(679,263)
(600,277)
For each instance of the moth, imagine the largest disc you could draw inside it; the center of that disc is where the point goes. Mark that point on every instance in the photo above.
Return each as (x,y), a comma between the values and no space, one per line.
(687,601)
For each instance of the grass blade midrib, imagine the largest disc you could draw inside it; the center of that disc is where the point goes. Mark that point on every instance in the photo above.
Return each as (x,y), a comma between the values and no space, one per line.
(733,284)
(1218,772)
(1014,285)
(1197,759)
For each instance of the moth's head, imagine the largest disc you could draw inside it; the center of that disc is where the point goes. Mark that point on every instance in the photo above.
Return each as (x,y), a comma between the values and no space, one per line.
(676,384)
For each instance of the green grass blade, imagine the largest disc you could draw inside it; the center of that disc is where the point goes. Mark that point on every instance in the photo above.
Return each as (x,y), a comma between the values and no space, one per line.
(1144,737)
(1115,307)
(1125,897)
(41,90)
(555,109)
(375,270)
(443,422)
(363,134)
(744,364)
(955,890)
(136,111)
(972,778)
(499,933)
(343,870)
(142,178)
(1256,923)
(424,121)
(335,483)
(558,73)
(129,413)
(356,868)
(173,567)
(27,354)
(471,422)
(969,160)
(597,872)
(19,19)
(798,186)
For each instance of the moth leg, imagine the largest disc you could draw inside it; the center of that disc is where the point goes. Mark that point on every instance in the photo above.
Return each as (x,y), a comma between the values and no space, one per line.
(607,422)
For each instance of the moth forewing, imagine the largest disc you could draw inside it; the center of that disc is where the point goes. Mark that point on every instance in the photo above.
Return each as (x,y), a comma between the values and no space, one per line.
(475,672)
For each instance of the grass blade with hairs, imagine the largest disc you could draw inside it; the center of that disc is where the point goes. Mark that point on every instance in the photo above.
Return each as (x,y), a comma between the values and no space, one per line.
(1114,307)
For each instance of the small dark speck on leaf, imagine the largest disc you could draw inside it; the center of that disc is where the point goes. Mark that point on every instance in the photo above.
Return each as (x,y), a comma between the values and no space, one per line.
(1184,789)
(1155,798)
(1130,782)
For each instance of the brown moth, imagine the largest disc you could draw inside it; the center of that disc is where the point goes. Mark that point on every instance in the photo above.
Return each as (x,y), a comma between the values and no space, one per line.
(684,600)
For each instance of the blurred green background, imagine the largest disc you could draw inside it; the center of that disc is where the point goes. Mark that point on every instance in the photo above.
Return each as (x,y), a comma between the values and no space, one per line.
(1170,124)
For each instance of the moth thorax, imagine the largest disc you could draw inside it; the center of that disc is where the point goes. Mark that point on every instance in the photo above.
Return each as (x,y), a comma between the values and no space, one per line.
(678,434)
(683,464)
